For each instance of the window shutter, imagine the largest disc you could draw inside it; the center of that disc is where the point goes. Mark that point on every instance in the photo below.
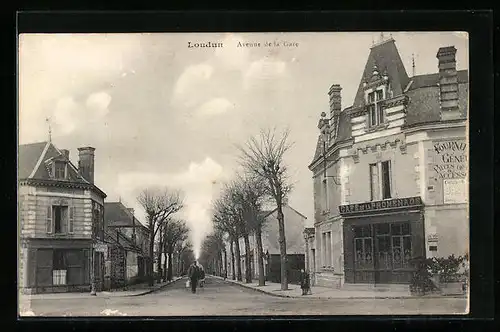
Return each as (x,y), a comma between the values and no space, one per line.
(71,219)
(49,220)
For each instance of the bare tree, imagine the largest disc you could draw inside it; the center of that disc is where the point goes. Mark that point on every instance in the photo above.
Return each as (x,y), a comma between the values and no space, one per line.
(225,218)
(263,156)
(176,231)
(159,205)
(250,194)
(180,248)
(211,254)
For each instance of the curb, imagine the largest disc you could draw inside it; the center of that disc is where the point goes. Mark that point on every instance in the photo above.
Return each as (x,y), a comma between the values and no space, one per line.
(149,291)
(342,298)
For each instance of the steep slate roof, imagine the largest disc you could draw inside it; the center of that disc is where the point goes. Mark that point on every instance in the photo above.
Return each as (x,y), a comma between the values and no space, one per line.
(117,214)
(32,160)
(386,56)
(28,156)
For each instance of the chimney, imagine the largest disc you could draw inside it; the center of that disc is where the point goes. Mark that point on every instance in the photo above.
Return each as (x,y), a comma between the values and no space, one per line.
(335,100)
(65,153)
(86,163)
(448,83)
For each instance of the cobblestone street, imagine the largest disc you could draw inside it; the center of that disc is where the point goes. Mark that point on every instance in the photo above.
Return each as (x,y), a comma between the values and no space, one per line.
(222,298)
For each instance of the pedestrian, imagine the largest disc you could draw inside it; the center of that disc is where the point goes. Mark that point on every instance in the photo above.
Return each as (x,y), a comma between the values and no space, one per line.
(202,275)
(304,282)
(194,275)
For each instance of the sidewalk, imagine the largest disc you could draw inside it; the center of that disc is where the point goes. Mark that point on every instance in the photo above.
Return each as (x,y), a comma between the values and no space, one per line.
(319,292)
(141,289)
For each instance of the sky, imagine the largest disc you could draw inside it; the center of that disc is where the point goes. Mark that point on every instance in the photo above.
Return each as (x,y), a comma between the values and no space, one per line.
(162,114)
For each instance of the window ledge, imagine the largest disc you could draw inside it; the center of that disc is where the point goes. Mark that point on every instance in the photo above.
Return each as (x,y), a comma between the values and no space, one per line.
(377,127)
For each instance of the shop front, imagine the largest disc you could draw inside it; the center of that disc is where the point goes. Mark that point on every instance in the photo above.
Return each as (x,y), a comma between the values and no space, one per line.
(380,240)
(58,266)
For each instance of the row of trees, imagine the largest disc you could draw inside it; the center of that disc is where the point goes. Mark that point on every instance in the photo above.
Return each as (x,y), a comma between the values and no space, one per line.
(167,233)
(238,211)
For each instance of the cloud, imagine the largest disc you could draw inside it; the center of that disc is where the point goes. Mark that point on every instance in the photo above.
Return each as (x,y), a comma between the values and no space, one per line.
(52,66)
(70,115)
(99,102)
(232,56)
(199,182)
(263,70)
(190,82)
(215,106)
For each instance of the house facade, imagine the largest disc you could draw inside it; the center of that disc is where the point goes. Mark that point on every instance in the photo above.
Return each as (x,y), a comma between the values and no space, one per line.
(128,240)
(60,220)
(294,225)
(390,172)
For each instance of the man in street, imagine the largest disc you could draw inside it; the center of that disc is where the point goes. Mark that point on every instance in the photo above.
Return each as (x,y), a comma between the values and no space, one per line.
(194,275)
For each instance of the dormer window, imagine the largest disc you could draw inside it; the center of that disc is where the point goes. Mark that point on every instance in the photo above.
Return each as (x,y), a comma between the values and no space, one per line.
(60,170)
(375,109)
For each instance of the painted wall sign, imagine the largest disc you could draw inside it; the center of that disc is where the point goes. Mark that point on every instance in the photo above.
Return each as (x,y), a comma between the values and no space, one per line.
(454,191)
(381,205)
(450,160)
(432,238)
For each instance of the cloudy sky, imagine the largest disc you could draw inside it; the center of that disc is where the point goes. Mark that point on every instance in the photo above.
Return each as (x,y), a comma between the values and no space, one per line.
(160,113)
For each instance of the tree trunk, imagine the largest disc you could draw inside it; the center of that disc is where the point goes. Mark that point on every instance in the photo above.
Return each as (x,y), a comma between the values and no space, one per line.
(260,256)
(233,273)
(151,255)
(164,276)
(179,272)
(169,274)
(238,261)
(225,263)
(282,242)
(248,263)
(160,254)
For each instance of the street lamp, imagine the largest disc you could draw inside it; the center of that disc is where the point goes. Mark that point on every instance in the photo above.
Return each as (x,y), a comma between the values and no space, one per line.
(325,133)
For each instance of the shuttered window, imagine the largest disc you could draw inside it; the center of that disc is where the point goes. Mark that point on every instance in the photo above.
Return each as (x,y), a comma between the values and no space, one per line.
(49,219)
(71,219)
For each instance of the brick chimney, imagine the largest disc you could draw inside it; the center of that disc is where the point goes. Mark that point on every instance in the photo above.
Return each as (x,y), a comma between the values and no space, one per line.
(335,99)
(86,163)
(448,83)
(335,107)
(65,153)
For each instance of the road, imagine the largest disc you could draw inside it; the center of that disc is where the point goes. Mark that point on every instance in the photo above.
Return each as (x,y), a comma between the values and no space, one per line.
(222,298)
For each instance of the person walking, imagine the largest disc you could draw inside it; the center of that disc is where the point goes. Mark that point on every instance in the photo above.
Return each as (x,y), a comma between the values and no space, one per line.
(304,282)
(194,275)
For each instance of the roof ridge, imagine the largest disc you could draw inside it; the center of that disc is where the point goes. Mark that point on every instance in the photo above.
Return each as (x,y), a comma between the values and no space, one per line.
(40,159)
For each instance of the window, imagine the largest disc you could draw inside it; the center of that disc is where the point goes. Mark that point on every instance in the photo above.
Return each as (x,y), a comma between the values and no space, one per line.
(380,180)
(57,219)
(60,170)
(375,109)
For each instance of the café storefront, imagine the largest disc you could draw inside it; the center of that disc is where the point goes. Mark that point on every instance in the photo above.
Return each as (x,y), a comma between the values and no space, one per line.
(381,238)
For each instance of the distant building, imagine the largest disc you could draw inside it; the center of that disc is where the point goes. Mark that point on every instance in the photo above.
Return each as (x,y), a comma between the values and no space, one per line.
(390,172)
(128,238)
(61,218)
(294,225)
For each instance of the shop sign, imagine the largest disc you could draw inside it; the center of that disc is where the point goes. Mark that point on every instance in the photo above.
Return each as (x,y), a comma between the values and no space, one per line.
(454,191)
(381,205)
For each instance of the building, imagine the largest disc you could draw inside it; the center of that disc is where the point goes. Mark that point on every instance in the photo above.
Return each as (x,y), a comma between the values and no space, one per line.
(390,172)
(128,240)
(61,220)
(294,225)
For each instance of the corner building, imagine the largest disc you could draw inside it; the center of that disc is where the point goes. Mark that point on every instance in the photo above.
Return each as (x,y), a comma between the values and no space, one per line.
(390,173)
